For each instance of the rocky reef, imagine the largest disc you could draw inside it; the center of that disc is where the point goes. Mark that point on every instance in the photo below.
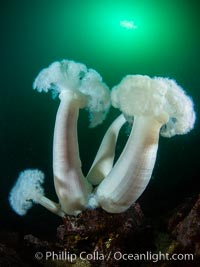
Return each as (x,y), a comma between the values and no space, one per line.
(97,238)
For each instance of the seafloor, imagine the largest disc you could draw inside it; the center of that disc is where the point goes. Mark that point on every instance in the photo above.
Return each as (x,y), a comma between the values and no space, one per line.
(97,238)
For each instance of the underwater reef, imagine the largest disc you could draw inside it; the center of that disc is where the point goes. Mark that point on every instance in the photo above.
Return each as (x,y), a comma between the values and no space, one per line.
(102,222)
(96,233)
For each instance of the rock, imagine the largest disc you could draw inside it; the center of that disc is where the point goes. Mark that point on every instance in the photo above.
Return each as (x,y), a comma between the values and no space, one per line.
(9,257)
(97,232)
(93,237)
(187,231)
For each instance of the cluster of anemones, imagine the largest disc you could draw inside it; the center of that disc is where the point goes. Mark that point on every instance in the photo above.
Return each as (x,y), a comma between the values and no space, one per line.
(152,105)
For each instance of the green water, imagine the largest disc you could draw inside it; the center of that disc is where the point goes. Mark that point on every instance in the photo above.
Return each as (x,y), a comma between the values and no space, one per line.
(165,43)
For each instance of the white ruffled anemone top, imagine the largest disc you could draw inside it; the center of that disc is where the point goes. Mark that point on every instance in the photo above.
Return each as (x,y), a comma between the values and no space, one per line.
(28,190)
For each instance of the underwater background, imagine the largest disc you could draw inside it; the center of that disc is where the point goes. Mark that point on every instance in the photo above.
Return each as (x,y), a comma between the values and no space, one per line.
(164,42)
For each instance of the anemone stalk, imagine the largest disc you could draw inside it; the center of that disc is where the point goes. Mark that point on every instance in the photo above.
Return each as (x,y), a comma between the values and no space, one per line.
(104,159)
(71,187)
(132,172)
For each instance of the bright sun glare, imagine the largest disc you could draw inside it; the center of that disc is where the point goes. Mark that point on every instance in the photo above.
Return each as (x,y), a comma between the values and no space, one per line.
(128,24)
